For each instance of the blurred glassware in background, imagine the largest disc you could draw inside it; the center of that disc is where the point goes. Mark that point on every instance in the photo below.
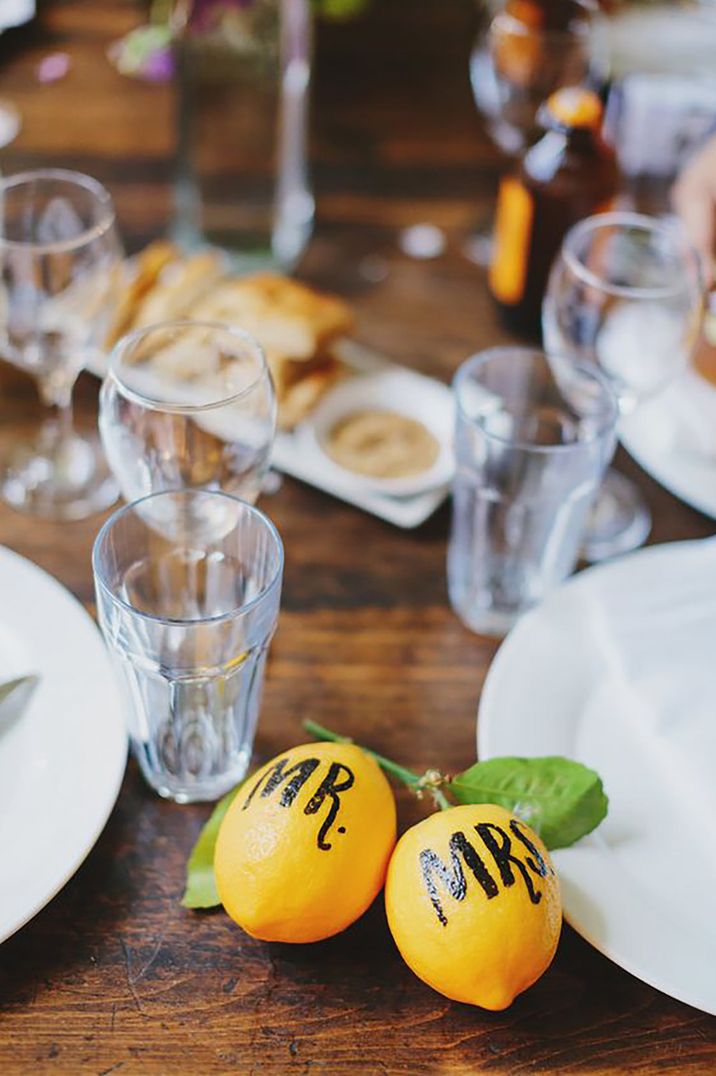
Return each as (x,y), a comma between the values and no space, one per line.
(529,49)
(12,13)
(676,37)
(526,51)
(188,404)
(188,589)
(656,122)
(15,13)
(662,103)
(61,278)
(243,74)
(626,296)
(532,442)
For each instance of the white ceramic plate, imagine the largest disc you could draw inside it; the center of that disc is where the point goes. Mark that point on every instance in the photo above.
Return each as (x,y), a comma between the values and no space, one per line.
(673,437)
(62,761)
(617,670)
(394,389)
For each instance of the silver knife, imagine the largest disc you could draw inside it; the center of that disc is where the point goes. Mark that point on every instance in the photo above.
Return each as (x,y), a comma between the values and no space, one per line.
(14,697)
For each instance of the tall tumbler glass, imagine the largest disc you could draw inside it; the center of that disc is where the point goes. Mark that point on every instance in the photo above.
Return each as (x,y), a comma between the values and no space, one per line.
(188,588)
(531,448)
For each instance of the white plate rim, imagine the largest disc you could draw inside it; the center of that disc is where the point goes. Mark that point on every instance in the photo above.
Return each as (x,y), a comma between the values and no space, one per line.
(684,486)
(487,720)
(115,755)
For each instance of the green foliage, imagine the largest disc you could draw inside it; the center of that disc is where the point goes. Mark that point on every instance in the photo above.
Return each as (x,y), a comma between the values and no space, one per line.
(200,889)
(560,799)
(339,9)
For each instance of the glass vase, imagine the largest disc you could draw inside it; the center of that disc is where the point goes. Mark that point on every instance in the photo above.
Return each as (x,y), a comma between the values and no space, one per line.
(243,74)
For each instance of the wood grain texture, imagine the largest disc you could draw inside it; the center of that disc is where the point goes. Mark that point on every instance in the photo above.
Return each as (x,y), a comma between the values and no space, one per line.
(115,976)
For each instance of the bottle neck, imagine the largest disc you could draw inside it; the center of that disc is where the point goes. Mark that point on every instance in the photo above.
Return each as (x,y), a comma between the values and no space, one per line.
(547,156)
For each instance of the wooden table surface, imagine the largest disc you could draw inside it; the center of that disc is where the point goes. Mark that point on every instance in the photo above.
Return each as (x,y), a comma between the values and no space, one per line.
(115,976)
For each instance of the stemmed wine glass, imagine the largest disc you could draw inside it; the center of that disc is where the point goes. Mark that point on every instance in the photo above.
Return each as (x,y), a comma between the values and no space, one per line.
(524,53)
(188,404)
(625,294)
(60,275)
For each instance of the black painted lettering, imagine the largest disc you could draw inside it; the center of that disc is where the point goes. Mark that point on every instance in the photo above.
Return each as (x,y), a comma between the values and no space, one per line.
(539,868)
(296,776)
(504,860)
(331,786)
(453,877)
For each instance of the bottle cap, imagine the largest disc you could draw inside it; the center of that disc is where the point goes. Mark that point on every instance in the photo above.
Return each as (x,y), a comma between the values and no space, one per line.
(574,106)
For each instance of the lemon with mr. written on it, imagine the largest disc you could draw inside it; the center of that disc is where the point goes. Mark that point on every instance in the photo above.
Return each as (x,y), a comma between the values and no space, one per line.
(473,904)
(303,850)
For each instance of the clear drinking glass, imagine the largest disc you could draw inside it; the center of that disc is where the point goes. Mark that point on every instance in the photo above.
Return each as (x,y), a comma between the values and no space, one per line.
(626,296)
(61,270)
(531,447)
(188,588)
(188,404)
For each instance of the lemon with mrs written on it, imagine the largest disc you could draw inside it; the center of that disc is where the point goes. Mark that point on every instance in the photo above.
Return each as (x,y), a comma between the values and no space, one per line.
(303,850)
(473,904)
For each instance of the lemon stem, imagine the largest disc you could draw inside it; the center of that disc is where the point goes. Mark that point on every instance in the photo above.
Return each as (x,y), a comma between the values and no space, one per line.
(413,780)
(441,799)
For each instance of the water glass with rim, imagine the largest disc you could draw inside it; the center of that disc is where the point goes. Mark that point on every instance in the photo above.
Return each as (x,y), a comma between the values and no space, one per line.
(531,446)
(188,587)
(188,404)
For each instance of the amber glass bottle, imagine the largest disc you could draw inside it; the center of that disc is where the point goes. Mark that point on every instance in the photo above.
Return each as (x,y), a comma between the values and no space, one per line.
(568,174)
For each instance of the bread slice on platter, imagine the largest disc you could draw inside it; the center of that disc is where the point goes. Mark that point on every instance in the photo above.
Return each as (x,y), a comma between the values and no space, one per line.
(295,325)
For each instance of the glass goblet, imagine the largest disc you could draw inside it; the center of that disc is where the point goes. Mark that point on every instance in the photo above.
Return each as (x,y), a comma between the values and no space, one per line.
(626,295)
(521,56)
(188,404)
(518,61)
(60,274)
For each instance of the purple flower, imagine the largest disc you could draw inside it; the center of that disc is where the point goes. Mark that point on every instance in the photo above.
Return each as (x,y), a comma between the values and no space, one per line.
(144,53)
(158,66)
(207,13)
(53,67)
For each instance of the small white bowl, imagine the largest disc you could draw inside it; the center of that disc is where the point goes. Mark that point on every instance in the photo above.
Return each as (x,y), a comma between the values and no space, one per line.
(405,393)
